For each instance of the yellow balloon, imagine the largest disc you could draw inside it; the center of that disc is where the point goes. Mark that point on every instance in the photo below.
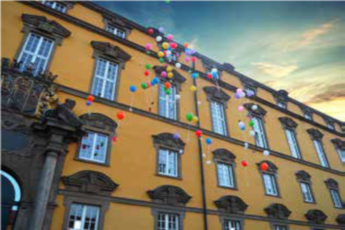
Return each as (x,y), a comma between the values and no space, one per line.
(193,88)
(169,68)
(165,45)
(170,75)
(195,119)
(160,54)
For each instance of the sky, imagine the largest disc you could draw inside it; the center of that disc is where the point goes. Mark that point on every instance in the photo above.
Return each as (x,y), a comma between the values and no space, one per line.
(296,46)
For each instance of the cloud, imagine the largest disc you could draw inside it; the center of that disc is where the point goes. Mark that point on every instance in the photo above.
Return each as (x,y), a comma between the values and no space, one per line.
(194,44)
(328,94)
(275,70)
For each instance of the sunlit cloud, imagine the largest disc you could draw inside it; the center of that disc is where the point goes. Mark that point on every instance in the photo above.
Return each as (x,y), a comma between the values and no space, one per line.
(275,70)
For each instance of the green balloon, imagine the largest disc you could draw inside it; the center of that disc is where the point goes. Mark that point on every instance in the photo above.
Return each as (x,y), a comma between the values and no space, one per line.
(161,60)
(168,91)
(251,123)
(148,66)
(189,116)
(144,85)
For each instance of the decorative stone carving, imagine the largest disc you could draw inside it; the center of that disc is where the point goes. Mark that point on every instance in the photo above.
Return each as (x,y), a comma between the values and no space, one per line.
(316,216)
(303,176)
(170,195)
(278,211)
(315,134)
(281,96)
(209,64)
(288,123)
(249,84)
(99,121)
(168,140)
(272,168)
(116,20)
(111,51)
(24,93)
(231,204)
(339,144)
(260,112)
(228,67)
(43,24)
(178,78)
(332,184)
(90,182)
(340,219)
(224,155)
(216,94)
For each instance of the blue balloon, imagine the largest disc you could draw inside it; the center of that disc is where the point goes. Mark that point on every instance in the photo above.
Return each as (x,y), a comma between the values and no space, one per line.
(156,80)
(195,75)
(214,74)
(153,82)
(208,141)
(133,88)
(88,103)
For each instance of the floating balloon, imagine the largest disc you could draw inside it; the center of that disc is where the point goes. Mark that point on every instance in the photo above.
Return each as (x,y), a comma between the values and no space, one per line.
(177,97)
(90,98)
(193,88)
(148,46)
(159,38)
(170,37)
(169,68)
(187,59)
(163,74)
(148,66)
(186,44)
(161,60)
(168,91)
(121,115)
(239,90)
(180,151)
(209,75)
(144,85)
(173,45)
(241,125)
(88,103)
(114,139)
(165,45)
(170,75)
(246,145)
(133,88)
(240,108)
(242,95)
(251,123)
(208,162)
(194,59)
(146,73)
(214,70)
(188,51)
(254,107)
(237,95)
(176,136)
(195,119)
(264,166)
(160,54)
(215,74)
(195,75)
(266,153)
(208,141)
(244,163)
(155,80)
(178,65)
(250,93)
(252,133)
(150,31)
(167,85)
(198,133)
(189,116)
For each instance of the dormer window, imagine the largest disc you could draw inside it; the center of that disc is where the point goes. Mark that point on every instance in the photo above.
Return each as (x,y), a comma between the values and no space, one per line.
(55,5)
(116,25)
(330,125)
(249,91)
(281,104)
(116,31)
(308,116)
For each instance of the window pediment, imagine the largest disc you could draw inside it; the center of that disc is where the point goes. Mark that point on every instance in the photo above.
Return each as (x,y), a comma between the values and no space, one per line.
(117,21)
(341,219)
(315,134)
(281,95)
(216,94)
(111,51)
(303,175)
(257,112)
(231,204)
(176,78)
(288,123)
(43,24)
(278,211)
(170,195)
(316,216)
(168,140)
(272,168)
(99,121)
(332,184)
(224,155)
(338,143)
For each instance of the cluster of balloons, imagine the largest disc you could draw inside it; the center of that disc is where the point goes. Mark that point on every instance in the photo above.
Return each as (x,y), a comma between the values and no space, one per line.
(213,74)
(89,100)
(190,117)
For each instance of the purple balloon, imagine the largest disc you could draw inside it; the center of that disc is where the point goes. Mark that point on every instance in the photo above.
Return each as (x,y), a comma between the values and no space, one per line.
(88,103)
(237,95)
(176,136)
(250,94)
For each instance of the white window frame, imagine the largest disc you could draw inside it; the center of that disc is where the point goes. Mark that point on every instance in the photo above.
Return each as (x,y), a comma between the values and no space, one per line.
(280,227)
(116,31)
(167,219)
(341,153)
(169,101)
(281,104)
(270,184)
(35,54)
(170,169)
(306,192)
(293,145)
(321,153)
(83,216)
(308,116)
(260,135)
(93,146)
(336,198)
(225,173)
(330,126)
(56,5)
(105,78)
(218,117)
(232,224)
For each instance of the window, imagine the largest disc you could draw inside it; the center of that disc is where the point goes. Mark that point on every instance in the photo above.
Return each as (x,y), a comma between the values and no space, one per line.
(83,217)
(167,163)
(306,191)
(116,31)
(270,184)
(36,53)
(167,102)
(281,104)
(336,198)
(94,147)
(166,221)
(104,82)
(291,137)
(249,91)
(260,137)
(218,118)
(330,126)
(341,153)
(321,153)
(232,225)
(225,175)
(55,5)
(308,116)
(280,227)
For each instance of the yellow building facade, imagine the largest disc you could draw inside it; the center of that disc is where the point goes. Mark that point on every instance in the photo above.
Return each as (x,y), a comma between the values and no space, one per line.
(263,160)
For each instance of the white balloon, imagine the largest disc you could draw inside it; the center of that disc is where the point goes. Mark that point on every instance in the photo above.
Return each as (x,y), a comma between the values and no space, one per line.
(266,153)
(159,38)
(252,133)
(254,107)
(246,145)
(199,102)
(214,70)
(180,151)
(177,96)
(208,162)
(178,65)
(243,94)
(168,52)
(204,155)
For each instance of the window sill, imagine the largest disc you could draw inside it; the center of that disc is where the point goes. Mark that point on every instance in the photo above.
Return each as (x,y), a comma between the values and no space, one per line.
(167,176)
(230,188)
(276,196)
(92,162)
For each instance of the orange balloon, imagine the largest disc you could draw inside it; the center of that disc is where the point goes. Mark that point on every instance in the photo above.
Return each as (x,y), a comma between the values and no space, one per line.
(121,115)
(264,166)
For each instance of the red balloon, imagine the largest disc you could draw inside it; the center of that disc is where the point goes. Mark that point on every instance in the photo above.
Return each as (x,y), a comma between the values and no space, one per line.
(121,115)
(173,45)
(209,75)
(90,98)
(194,59)
(150,31)
(146,73)
(244,163)
(198,133)
(148,84)
(186,44)
(264,166)
(167,85)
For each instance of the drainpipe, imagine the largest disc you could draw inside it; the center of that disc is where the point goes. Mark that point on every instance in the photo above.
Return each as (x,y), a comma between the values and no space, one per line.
(204,210)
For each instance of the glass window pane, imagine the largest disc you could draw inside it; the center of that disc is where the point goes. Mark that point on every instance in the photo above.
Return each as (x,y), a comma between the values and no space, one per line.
(218,118)
(321,153)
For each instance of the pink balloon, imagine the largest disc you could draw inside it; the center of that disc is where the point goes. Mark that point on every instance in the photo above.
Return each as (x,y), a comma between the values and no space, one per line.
(170,37)
(239,90)
(240,108)
(163,73)
(187,59)
(148,46)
